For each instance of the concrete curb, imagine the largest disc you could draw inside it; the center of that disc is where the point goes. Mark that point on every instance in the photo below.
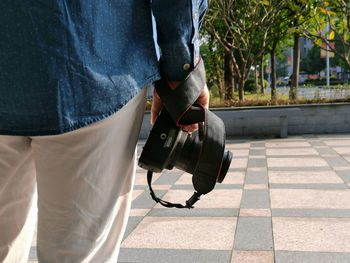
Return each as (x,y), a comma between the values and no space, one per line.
(249,121)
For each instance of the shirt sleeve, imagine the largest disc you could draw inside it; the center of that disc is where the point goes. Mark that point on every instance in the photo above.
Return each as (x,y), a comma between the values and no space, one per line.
(178,23)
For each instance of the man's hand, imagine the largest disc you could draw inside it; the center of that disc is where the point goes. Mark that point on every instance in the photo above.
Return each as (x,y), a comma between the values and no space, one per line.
(203,100)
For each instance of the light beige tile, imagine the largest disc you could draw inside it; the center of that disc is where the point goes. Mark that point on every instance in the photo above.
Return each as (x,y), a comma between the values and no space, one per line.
(139,212)
(186,178)
(240,152)
(252,257)
(141,178)
(296,162)
(161,186)
(310,198)
(239,163)
(329,155)
(342,168)
(291,151)
(220,198)
(342,150)
(304,177)
(257,148)
(254,212)
(34,240)
(338,142)
(238,146)
(288,144)
(311,234)
(321,147)
(136,194)
(348,159)
(257,157)
(183,233)
(255,186)
(236,177)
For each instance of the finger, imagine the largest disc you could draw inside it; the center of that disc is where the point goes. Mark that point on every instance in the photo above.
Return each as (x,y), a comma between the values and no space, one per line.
(203,98)
(190,128)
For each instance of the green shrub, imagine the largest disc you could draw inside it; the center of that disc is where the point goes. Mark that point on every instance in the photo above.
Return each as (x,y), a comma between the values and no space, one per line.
(250,85)
(323,82)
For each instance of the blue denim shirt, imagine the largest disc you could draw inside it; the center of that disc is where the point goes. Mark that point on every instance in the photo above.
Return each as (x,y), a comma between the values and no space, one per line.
(65,64)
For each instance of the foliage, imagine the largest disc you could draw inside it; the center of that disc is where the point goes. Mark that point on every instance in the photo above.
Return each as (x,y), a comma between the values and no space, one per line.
(331,21)
(312,63)
(241,27)
(322,82)
(213,57)
(250,85)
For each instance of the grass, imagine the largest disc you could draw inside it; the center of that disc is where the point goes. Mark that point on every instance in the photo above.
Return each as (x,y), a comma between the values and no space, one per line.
(265,100)
(253,99)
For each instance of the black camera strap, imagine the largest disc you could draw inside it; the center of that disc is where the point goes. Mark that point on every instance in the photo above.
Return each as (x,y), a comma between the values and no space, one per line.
(189,203)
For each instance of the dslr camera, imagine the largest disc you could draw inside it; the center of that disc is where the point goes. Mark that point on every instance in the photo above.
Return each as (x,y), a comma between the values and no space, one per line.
(201,154)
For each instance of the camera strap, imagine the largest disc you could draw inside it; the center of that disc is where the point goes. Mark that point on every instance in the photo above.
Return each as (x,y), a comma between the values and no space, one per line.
(189,203)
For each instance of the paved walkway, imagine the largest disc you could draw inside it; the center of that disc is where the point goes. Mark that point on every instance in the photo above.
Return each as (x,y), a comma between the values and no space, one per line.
(283,201)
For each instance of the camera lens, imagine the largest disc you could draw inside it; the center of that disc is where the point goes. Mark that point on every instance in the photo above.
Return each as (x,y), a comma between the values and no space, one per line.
(226,161)
(189,154)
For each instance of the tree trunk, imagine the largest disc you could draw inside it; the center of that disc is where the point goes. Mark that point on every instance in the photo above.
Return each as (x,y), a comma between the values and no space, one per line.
(273,74)
(241,83)
(256,76)
(262,75)
(293,93)
(228,77)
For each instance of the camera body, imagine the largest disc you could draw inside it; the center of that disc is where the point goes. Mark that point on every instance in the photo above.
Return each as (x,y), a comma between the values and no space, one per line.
(202,155)
(168,146)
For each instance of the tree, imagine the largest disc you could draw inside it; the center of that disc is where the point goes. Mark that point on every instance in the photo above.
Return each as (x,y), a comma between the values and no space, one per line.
(331,21)
(242,31)
(213,57)
(312,63)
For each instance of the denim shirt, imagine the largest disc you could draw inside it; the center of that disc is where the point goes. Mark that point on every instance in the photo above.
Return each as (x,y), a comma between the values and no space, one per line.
(65,64)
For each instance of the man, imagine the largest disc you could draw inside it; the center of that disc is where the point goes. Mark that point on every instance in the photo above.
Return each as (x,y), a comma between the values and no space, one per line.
(72,78)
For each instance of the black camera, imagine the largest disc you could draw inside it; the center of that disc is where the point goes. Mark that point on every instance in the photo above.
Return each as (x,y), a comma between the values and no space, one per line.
(201,154)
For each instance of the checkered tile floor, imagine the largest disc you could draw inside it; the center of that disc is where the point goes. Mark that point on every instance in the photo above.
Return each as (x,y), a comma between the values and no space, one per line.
(283,201)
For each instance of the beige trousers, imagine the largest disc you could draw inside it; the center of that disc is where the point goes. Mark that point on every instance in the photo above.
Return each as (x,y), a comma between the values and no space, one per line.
(77,184)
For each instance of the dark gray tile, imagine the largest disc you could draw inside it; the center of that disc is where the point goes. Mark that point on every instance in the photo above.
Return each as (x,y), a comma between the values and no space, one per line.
(317,143)
(140,187)
(344,174)
(311,212)
(257,144)
(256,177)
(308,186)
(257,152)
(145,201)
(325,151)
(196,212)
(253,233)
(257,162)
(32,254)
(255,199)
(133,221)
(336,161)
(311,257)
(133,255)
(168,178)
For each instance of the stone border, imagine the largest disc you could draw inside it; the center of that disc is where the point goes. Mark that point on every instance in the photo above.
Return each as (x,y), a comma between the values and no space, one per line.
(313,118)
